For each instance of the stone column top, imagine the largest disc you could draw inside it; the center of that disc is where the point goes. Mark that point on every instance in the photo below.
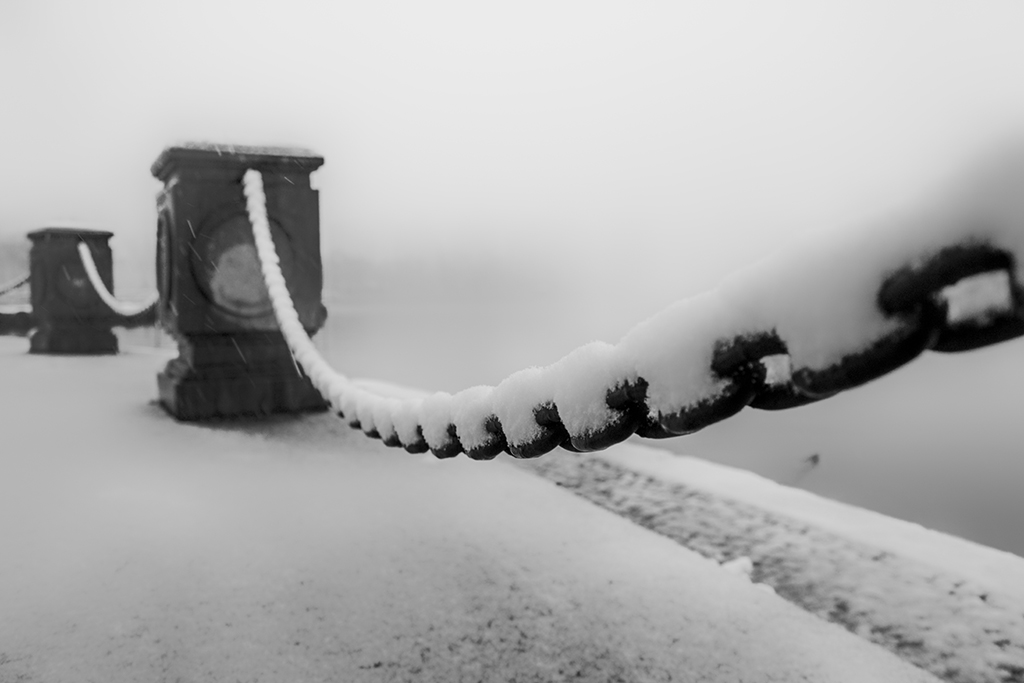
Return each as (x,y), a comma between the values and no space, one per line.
(204,154)
(69,232)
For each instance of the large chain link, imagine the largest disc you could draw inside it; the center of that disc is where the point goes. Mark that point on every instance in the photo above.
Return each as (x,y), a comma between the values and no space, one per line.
(912,304)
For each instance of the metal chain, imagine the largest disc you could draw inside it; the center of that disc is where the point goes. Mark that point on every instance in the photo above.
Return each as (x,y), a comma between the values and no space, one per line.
(11,286)
(128,315)
(912,305)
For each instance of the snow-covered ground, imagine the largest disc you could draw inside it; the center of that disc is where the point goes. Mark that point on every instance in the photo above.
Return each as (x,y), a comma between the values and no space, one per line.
(138,548)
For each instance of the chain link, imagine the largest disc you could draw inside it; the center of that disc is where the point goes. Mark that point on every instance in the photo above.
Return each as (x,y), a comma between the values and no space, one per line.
(913,297)
(912,288)
(128,316)
(125,315)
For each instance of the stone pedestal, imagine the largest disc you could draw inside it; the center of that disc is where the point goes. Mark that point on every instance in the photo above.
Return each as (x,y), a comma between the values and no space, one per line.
(69,315)
(234,375)
(232,358)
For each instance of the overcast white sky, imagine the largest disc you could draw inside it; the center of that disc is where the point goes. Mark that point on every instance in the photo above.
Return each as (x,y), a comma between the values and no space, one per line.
(673,140)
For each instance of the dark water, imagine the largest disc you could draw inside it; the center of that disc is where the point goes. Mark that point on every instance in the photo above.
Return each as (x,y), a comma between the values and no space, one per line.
(939,442)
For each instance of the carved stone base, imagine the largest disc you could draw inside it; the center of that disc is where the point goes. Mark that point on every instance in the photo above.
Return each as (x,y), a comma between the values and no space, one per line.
(225,376)
(73,340)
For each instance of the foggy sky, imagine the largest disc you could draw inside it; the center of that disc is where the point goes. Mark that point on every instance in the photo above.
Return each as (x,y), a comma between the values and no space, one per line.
(644,149)
(669,142)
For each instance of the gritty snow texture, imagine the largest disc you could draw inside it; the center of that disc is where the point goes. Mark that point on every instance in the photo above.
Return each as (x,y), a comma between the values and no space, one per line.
(470,410)
(514,400)
(947,605)
(820,297)
(672,350)
(139,548)
(996,569)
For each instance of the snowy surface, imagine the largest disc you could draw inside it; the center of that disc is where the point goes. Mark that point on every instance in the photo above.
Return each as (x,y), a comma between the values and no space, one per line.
(989,567)
(951,607)
(138,548)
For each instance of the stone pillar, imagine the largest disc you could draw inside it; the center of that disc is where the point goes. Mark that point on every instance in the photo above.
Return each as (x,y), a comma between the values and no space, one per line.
(233,360)
(69,315)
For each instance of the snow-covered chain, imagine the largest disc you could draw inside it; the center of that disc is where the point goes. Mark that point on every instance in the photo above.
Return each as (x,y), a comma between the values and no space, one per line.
(793,329)
(329,383)
(121,308)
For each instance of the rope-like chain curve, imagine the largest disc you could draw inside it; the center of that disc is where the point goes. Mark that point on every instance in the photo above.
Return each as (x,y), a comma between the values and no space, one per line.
(127,311)
(793,329)
(14,284)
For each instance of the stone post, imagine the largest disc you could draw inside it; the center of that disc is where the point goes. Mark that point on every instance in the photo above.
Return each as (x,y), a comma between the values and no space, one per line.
(69,315)
(233,360)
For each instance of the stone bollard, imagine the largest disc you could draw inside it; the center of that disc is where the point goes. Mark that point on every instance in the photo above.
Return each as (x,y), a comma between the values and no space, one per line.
(232,359)
(69,315)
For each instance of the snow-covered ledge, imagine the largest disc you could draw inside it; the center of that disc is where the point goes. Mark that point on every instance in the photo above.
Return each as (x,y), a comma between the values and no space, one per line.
(946,604)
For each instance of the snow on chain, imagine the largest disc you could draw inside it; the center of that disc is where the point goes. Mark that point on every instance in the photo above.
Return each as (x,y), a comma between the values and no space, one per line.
(820,300)
(120,307)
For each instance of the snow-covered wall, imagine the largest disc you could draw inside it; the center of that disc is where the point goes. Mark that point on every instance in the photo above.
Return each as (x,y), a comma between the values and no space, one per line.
(948,605)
